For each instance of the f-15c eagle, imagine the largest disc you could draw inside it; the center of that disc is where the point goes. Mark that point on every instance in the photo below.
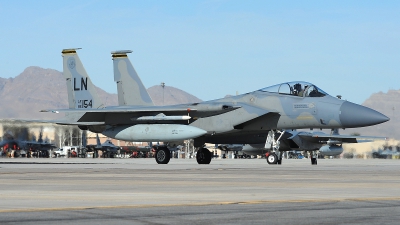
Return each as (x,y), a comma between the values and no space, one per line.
(242,119)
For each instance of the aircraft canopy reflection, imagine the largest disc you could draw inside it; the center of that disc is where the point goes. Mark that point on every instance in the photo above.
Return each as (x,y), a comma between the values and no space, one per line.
(296,88)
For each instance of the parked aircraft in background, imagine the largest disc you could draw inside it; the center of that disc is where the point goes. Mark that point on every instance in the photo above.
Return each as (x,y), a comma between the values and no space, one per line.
(108,148)
(386,154)
(236,149)
(39,147)
(230,147)
(242,119)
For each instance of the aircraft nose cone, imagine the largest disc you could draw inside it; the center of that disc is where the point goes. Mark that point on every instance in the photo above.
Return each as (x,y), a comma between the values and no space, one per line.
(353,115)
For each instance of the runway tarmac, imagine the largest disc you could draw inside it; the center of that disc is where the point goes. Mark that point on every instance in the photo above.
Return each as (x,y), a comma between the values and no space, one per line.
(228,191)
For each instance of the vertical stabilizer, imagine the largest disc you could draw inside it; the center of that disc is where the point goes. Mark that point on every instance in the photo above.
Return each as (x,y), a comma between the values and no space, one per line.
(98,143)
(131,90)
(81,91)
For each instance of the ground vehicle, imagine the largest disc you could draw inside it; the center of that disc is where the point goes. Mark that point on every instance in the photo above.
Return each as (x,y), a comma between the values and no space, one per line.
(67,151)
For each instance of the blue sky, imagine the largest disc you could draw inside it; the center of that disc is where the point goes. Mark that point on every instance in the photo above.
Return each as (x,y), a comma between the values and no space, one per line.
(214,47)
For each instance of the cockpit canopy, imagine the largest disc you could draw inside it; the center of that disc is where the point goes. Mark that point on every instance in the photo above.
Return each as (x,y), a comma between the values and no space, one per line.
(296,88)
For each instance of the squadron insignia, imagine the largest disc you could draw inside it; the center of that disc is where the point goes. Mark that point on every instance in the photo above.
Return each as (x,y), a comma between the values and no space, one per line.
(71,63)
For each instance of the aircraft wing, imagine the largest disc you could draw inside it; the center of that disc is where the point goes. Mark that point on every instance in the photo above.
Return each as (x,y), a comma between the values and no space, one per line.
(129,115)
(199,109)
(60,122)
(321,137)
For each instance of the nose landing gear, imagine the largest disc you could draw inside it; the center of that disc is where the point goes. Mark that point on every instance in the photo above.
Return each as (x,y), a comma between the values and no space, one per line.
(274,157)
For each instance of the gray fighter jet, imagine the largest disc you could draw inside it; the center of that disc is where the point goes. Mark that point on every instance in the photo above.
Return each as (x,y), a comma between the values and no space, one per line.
(108,148)
(37,147)
(242,119)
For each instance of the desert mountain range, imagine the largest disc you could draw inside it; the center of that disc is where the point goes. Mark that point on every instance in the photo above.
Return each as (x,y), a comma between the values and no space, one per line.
(36,88)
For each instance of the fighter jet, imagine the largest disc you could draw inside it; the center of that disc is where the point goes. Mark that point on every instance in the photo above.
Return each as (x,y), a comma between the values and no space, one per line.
(230,147)
(22,145)
(387,153)
(108,148)
(242,119)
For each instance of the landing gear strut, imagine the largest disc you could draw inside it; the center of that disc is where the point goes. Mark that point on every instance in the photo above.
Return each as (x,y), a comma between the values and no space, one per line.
(203,156)
(163,155)
(314,156)
(274,157)
(279,162)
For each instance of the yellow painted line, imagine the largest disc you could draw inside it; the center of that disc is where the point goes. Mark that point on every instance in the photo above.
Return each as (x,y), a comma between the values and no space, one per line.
(199,204)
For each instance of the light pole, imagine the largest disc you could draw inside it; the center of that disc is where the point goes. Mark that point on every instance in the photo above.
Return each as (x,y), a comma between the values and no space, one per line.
(162,85)
(393,111)
(70,135)
(59,136)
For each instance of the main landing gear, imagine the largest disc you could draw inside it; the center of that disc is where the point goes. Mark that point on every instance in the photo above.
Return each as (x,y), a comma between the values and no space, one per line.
(203,156)
(314,157)
(163,155)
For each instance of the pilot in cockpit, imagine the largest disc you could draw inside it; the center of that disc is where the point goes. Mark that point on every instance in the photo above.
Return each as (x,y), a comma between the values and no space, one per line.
(297,89)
